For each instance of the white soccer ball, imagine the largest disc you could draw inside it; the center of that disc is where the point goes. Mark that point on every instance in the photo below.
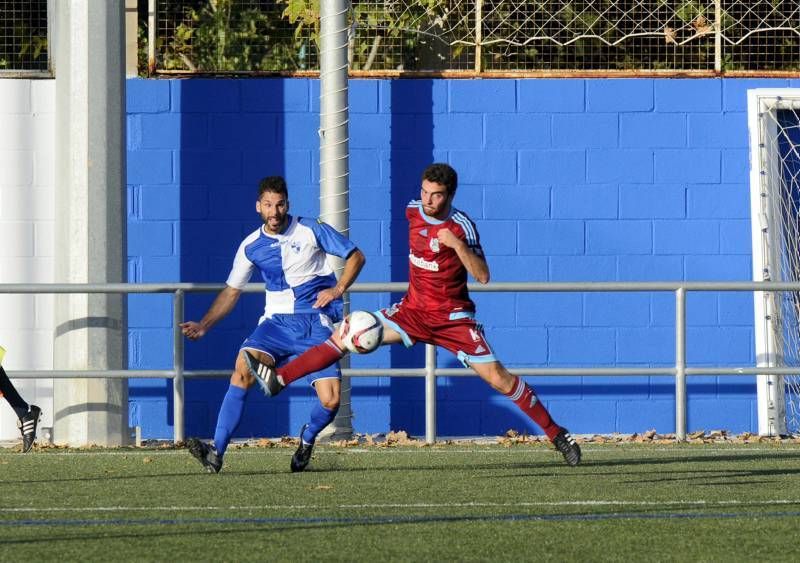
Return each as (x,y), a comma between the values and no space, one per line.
(361,332)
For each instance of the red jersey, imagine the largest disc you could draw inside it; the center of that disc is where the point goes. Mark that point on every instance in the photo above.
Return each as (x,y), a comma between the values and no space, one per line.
(437,278)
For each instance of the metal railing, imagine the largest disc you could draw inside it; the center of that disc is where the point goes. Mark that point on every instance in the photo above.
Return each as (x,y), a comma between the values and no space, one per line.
(430,372)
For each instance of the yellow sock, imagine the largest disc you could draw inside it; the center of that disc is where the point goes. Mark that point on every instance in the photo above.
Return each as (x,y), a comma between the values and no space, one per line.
(2,353)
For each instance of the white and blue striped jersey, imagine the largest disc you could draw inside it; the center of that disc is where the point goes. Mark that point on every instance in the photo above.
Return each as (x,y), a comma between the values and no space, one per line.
(293,265)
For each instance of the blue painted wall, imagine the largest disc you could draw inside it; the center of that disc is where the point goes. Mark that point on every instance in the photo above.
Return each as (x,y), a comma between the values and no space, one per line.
(568,180)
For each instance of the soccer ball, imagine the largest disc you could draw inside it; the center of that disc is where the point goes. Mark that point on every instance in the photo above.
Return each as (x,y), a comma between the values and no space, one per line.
(361,332)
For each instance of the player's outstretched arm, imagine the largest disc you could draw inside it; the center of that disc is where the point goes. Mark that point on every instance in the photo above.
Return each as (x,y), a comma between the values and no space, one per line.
(476,265)
(222,305)
(352,267)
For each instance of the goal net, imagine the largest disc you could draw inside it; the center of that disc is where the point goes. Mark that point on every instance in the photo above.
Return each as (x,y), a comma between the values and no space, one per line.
(774,124)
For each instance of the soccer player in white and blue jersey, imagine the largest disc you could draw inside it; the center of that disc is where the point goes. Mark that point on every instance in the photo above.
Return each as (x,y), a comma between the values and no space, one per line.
(303,301)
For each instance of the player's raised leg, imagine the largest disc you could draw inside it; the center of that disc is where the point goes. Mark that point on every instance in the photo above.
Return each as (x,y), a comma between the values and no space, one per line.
(314,359)
(273,380)
(523,395)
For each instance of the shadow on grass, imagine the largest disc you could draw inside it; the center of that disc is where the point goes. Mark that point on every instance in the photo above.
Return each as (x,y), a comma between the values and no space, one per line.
(286,472)
(280,525)
(713,477)
(744,457)
(553,461)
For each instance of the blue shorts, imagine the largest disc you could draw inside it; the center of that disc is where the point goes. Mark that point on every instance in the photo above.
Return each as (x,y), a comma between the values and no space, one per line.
(285,336)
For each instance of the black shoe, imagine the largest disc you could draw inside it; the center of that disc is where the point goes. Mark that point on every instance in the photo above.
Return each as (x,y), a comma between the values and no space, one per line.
(569,448)
(265,375)
(205,454)
(27,425)
(302,454)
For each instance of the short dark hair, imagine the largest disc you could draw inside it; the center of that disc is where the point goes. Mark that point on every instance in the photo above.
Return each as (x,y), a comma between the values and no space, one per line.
(273,184)
(443,174)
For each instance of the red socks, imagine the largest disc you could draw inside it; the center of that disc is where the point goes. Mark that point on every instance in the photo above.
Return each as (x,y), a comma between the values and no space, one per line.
(527,401)
(313,359)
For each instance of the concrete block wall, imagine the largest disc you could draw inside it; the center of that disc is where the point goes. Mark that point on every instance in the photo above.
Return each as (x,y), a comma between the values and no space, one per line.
(27,213)
(568,180)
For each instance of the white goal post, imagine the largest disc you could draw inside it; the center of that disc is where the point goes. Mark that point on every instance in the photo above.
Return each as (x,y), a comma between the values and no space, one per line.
(774,128)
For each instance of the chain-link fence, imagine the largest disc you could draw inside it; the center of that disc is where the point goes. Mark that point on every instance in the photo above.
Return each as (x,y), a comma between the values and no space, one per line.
(23,36)
(233,36)
(483,36)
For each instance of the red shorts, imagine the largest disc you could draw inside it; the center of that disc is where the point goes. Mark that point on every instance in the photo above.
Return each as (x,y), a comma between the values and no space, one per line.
(457,332)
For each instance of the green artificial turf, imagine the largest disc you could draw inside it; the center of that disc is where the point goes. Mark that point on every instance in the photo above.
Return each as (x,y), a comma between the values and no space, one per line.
(452,502)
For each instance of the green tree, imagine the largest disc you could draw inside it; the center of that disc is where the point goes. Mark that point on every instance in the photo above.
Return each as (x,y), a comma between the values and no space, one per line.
(211,36)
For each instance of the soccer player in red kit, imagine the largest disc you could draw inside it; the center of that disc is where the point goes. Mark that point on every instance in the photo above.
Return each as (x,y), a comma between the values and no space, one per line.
(444,246)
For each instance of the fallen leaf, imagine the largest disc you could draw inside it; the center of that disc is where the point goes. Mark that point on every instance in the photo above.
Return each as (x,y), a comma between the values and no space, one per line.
(702,25)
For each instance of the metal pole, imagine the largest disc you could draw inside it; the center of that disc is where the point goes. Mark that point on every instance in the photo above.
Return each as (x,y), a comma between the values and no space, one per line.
(680,364)
(478,35)
(334,163)
(177,363)
(430,394)
(718,35)
(131,38)
(151,38)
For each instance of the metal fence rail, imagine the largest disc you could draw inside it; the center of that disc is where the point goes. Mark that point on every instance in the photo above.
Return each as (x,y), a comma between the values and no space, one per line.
(430,372)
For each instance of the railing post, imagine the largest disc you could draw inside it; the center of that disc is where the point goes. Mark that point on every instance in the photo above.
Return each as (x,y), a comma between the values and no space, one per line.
(177,366)
(478,36)
(151,37)
(718,36)
(680,363)
(430,394)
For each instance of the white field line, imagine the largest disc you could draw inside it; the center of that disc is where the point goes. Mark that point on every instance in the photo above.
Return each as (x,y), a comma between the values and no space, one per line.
(355,507)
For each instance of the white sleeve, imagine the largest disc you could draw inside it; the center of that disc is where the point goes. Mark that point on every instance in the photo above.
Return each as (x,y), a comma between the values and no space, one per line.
(242,269)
